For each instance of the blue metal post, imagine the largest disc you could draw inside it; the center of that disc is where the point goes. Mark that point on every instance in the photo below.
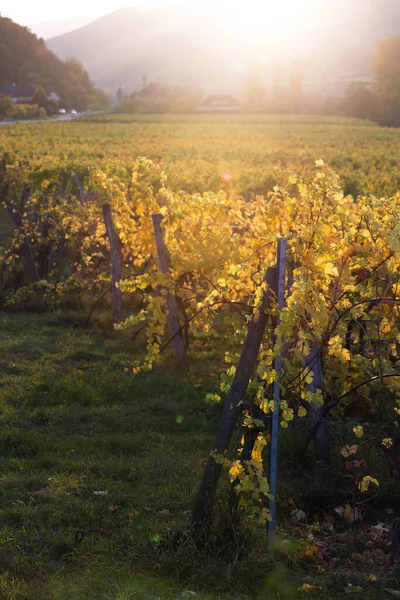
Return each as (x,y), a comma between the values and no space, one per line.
(280,292)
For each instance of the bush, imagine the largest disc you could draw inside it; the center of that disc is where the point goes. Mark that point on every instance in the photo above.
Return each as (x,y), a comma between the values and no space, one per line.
(27,111)
(20,111)
(141,106)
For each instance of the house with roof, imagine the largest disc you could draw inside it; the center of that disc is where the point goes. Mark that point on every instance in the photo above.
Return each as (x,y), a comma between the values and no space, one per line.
(19,92)
(23,93)
(220,102)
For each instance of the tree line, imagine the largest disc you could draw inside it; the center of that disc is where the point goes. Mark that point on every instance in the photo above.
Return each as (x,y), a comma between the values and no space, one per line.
(377,99)
(25,59)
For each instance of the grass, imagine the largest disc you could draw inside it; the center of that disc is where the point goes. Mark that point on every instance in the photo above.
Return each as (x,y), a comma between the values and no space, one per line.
(96,466)
(73,424)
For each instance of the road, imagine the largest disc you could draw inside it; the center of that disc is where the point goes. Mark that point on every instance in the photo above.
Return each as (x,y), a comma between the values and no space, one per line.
(66,117)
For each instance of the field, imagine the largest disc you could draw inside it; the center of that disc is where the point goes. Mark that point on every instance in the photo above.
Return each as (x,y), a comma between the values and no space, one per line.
(103,439)
(259,151)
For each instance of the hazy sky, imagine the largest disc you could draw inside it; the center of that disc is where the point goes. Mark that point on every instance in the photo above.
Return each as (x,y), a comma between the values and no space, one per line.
(29,12)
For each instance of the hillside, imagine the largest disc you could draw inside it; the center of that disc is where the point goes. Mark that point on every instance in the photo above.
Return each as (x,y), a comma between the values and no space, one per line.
(25,58)
(181,46)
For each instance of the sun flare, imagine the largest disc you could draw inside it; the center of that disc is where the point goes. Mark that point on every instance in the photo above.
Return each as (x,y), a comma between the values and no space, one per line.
(287,20)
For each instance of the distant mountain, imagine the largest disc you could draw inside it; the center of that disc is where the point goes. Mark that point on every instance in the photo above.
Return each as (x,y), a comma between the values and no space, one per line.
(49,29)
(25,59)
(180,46)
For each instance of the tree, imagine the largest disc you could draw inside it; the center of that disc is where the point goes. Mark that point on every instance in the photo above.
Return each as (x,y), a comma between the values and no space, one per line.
(120,94)
(254,91)
(386,71)
(25,59)
(360,101)
(295,89)
(40,97)
(6,106)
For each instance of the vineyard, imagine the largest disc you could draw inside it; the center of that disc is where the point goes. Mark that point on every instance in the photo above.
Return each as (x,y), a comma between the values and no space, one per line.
(141,254)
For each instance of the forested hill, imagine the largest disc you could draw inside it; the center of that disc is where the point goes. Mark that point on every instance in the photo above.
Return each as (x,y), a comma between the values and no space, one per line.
(24,58)
(202,48)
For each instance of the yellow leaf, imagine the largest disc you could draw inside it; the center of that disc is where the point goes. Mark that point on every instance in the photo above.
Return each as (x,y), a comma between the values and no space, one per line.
(330,269)
(387,442)
(372,578)
(235,470)
(347,450)
(364,484)
(302,411)
(384,326)
(306,587)
(358,431)
(212,398)
(309,377)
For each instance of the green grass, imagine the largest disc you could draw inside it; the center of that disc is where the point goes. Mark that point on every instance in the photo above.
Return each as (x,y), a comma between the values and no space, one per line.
(73,424)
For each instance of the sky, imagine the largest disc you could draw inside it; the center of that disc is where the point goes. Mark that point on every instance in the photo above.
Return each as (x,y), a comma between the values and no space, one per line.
(28,12)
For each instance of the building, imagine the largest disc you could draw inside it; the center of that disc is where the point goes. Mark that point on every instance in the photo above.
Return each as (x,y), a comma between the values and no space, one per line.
(19,92)
(220,102)
(53,96)
(23,92)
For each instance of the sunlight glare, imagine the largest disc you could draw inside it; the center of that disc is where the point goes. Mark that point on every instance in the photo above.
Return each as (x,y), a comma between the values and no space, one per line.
(287,21)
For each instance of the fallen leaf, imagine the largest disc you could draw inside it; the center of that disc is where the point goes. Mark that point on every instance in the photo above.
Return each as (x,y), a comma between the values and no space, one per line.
(298,515)
(353,589)
(352,514)
(380,528)
(307,587)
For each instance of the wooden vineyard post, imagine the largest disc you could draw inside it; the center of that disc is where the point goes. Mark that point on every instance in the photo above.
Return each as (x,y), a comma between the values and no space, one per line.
(280,294)
(315,412)
(204,500)
(164,264)
(116,263)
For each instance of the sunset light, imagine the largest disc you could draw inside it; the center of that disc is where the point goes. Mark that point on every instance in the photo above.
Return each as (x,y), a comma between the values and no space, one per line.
(286,21)
(199,299)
